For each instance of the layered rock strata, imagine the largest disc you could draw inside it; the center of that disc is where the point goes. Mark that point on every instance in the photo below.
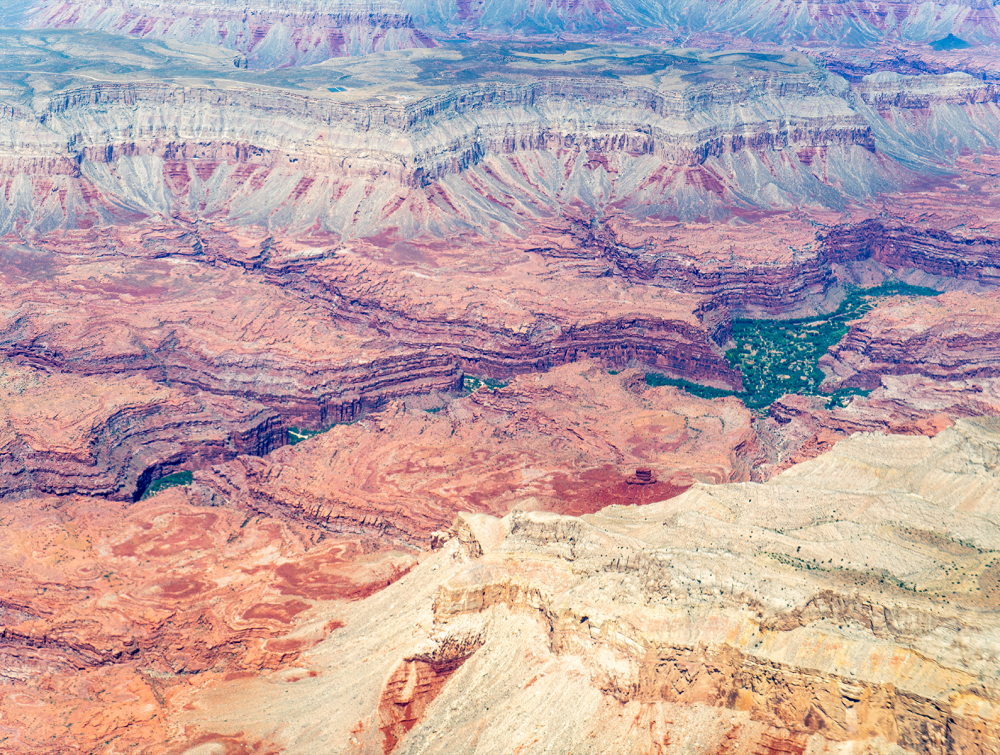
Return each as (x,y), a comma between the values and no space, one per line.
(682,134)
(948,337)
(120,606)
(322,335)
(265,36)
(798,428)
(567,440)
(849,602)
(688,618)
(851,24)
(67,434)
(540,153)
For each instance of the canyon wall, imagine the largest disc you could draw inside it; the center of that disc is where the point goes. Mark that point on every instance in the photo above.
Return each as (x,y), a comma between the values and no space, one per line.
(813,612)
(640,172)
(68,434)
(949,337)
(267,35)
(270,25)
(288,159)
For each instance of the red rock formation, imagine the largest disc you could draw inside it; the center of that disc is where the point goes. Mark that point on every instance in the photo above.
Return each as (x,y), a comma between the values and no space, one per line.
(119,606)
(322,336)
(566,440)
(540,223)
(178,589)
(63,434)
(799,428)
(407,693)
(932,251)
(774,265)
(955,336)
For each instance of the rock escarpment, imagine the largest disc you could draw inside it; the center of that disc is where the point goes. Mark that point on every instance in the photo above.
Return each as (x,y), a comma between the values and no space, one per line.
(67,434)
(265,35)
(685,134)
(120,608)
(848,602)
(948,337)
(334,330)
(851,24)
(567,440)
(899,246)
(227,340)
(537,152)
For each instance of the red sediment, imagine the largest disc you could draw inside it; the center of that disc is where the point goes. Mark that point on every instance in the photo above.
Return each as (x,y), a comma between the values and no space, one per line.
(411,687)
(279,612)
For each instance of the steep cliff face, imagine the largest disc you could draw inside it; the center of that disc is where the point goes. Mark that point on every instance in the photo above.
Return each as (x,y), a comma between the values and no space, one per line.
(850,23)
(848,603)
(678,136)
(291,160)
(68,434)
(545,154)
(775,266)
(899,246)
(322,336)
(264,35)
(950,337)
(568,440)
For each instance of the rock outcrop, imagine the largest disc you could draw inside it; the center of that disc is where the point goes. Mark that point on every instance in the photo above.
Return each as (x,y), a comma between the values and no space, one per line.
(853,24)
(685,135)
(265,35)
(448,273)
(529,152)
(321,335)
(120,606)
(949,337)
(798,428)
(849,602)
(567,440)
(66,434)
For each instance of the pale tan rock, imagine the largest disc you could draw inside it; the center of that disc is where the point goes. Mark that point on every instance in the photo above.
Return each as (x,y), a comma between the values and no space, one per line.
(847,603)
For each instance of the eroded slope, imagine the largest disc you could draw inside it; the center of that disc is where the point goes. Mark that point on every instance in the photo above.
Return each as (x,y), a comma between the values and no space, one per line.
(849,601)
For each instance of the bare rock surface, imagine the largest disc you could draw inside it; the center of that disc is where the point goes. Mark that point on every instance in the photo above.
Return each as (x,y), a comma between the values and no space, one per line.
(270,27)
(566,441)
(447,266)
(473,138)
(848,602)
(62,434)
(264,35)
(950,337)
(109,608)
(113,610)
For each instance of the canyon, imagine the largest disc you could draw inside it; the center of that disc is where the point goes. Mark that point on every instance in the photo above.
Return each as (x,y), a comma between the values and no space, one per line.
(375,377)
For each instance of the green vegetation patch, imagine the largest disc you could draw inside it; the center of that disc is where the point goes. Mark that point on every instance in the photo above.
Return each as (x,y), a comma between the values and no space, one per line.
(777,357)
(657,379)
(175,480)
(470,383)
